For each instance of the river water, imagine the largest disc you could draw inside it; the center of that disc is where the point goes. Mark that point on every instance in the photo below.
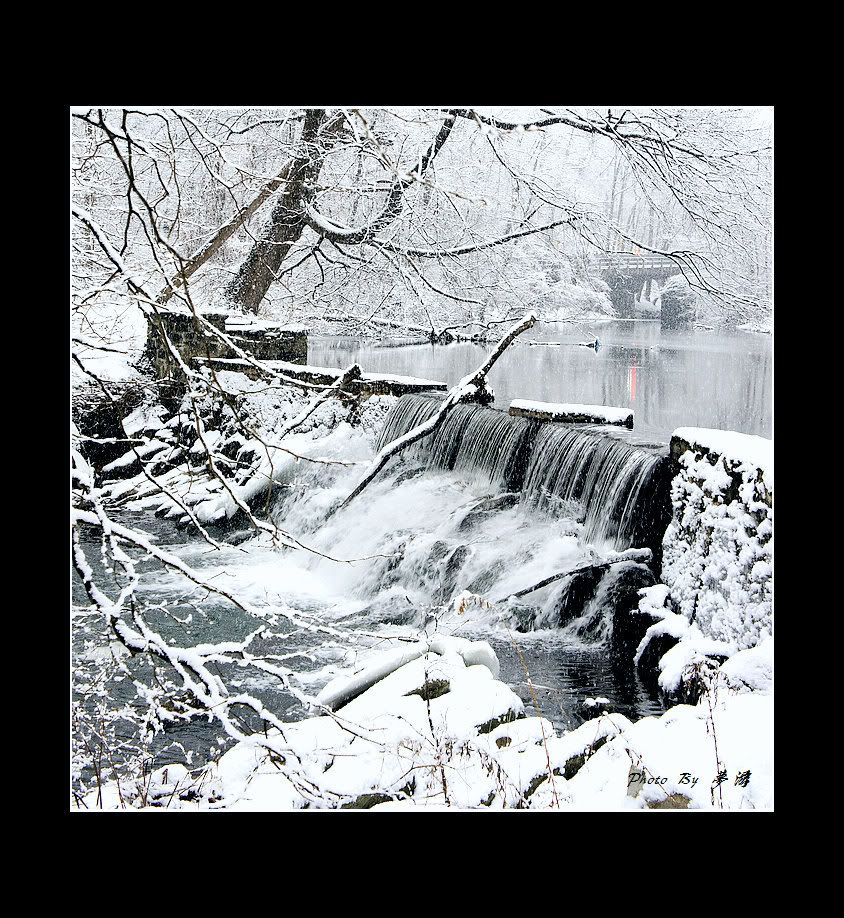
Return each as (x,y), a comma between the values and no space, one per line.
(717,378)
(704,378)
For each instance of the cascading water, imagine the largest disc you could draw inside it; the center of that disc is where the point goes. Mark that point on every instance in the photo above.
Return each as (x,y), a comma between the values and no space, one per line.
(605,475)
(616,485)
(473,439)
(525,499)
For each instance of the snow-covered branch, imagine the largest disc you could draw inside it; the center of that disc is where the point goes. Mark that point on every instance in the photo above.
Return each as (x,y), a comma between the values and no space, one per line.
(467,389)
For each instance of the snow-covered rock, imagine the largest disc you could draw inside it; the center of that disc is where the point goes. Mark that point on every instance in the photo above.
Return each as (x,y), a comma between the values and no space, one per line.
(751,670)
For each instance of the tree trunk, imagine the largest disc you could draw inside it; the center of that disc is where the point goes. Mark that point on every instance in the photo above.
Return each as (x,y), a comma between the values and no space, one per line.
(287,222)
(611,209)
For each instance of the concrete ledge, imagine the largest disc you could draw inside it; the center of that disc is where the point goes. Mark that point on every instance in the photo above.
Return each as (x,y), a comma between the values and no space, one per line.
(368,384)
(741,453)
(572,414)
(736,448)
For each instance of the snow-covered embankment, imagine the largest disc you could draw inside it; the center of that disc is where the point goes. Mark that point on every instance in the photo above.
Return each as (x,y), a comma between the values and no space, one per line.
(716,594)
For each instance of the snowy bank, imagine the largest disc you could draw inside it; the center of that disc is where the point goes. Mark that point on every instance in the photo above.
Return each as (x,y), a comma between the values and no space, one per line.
(257,441)
(439,731)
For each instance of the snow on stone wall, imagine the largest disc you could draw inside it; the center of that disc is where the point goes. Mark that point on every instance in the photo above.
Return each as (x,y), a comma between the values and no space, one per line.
(583,414)
(718,546)
(336,431)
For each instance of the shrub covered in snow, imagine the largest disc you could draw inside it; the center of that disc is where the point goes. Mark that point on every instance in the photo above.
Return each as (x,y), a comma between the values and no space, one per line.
(679,302)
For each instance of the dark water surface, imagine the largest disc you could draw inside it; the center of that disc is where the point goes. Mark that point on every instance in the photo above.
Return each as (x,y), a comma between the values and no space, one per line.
(671,379)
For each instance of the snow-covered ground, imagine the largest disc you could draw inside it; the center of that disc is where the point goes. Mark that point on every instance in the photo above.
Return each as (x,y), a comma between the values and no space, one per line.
(435,728)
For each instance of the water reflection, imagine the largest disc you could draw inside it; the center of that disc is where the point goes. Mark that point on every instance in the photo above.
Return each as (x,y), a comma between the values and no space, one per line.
(562,675)
(671,378)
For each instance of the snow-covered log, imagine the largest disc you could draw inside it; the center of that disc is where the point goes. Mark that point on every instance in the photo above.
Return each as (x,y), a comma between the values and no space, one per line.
(343,689)
(369,383)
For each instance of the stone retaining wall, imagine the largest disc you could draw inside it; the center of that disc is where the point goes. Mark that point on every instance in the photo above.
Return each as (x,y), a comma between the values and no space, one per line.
(369,383)
(717,550)
(262,340)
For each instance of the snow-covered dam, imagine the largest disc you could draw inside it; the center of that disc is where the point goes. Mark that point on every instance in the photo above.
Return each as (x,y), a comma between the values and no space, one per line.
(618,489)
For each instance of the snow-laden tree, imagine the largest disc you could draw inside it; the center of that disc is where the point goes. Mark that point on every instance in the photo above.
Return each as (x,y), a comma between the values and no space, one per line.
(356,217)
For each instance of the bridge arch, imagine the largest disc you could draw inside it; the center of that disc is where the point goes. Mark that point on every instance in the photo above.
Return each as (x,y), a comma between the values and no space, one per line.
(626,273)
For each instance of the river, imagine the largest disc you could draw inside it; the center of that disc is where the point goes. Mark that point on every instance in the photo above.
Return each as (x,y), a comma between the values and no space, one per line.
(701,378)
(670,379)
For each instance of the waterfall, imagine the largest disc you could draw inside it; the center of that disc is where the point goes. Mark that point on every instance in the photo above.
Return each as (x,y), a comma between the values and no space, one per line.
(472,439)
(617,486)
(605,475)
(408,412)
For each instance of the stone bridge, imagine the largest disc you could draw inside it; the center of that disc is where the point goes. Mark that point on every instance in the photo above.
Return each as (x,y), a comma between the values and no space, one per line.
(627,273)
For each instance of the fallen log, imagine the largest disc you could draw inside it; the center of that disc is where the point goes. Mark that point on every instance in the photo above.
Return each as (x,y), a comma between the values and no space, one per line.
(345,688)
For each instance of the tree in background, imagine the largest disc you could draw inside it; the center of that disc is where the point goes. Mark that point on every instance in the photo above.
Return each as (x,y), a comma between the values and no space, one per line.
(356,218)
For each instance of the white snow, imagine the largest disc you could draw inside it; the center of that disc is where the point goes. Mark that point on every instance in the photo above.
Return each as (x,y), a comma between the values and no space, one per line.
(415,752)
(751,669)
(672,625)
(300,370)
(345,688)
(142,450)
(603,412)
(653,599)
(675,664)
(148,416)
(236,323)
(717,553)
(745,449)
(324,436)
(401,380)
(105,366)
